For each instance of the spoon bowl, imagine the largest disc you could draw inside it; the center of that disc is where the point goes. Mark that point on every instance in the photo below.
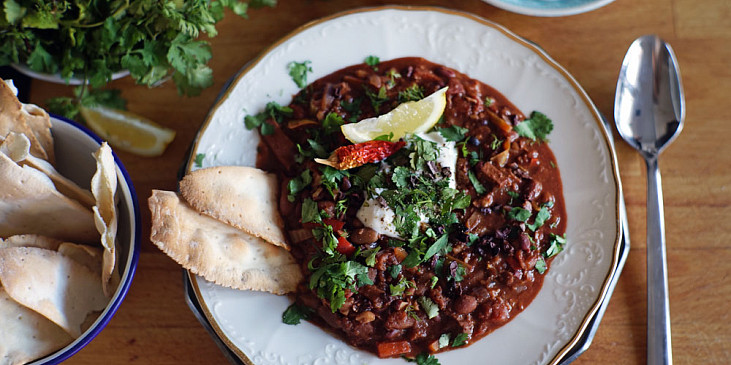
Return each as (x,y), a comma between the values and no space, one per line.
(649,106)
(649,110)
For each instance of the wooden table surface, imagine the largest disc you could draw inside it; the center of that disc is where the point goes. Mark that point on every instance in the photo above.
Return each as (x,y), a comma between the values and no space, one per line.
(155,326)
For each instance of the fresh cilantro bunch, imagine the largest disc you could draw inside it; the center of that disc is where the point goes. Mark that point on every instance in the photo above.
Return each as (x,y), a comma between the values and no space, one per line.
(92,39)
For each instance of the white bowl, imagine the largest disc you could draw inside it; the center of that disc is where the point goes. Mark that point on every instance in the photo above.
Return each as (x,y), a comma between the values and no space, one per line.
(56,78)
(549,8)
(73,147)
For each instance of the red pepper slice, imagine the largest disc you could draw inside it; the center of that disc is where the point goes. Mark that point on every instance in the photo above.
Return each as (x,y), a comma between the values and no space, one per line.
(354,155)
(344,247)
(336,224)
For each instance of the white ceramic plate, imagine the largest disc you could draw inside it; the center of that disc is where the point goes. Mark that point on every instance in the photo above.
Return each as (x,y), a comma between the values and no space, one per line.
(250,322)
(549,7)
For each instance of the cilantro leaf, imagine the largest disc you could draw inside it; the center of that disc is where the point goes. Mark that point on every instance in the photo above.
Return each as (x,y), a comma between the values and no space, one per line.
(413,93)
(298,71)
(429,307)
(556,244)
(372,61)
(332,123)
(540,219)
(298,184)
(376,98)
(519,214)
(479,189)
(295,313)
(537,127)
(439,246)
(541,265)
(424,359)
(460,340)
(310,213)
(453,133)
(199,159)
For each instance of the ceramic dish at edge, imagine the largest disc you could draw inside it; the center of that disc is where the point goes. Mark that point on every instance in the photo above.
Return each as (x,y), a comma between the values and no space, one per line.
(549,8)
(250,322)
(73,147)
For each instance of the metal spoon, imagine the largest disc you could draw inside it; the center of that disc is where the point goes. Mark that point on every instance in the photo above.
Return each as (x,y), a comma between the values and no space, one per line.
(649,108)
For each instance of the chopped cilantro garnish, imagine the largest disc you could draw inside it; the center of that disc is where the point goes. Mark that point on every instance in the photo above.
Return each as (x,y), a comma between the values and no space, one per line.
(460,340)
(489,101)
(272,110)
(423,359)
(372,61)
(541,265)
(298,71)
(295,312)
(479,189)
(472,238)
(537,127)
(555,245)
(310,213)
(384,137)
(541,218)
(443,340)
(198,162)
(411,93)
(394,270)
(456,271)
(433,281)
(429,307)
(453,133)
(398,289)
(439,246)
(332,279)
(377,98)
(332,123)
(519,214)
(496,142)
(298,184)
(370,256)
(353,108)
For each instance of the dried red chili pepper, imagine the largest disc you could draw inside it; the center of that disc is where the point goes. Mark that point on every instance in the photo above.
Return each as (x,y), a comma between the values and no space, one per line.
(350,156)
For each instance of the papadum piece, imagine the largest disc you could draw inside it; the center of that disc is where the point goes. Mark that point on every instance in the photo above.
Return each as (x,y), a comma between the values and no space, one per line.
(220,253)
(13,119)
(26,335)
(17,147)
(29,203)
(103,187)
(244,197)
(89,256)
(39,123)
(31,240)
(52,284)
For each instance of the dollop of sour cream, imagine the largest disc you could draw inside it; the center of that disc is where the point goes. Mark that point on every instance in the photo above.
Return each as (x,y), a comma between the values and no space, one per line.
(378,216)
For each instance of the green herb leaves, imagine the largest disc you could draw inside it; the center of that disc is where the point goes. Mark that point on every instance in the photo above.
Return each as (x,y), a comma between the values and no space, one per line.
(295,313)
(298,71)
(272,111)
(537,127)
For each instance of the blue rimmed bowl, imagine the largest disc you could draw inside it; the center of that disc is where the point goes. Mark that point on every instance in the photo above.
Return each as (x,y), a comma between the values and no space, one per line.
(74,145)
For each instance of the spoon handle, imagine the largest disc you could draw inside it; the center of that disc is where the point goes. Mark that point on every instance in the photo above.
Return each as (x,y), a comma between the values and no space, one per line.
(658,308)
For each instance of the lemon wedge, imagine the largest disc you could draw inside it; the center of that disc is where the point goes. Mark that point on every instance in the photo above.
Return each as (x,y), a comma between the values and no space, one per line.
(128,131)
(410,117)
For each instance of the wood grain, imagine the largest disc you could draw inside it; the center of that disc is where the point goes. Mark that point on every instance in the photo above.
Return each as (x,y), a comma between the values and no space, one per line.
(154,325)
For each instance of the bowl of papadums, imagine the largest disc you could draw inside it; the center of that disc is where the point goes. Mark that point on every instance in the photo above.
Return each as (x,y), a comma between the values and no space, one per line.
(69,234)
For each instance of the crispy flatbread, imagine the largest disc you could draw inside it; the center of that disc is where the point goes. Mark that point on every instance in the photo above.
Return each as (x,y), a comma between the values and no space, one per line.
(103,187)
(13,119)
(52,284)
(40,123)
(89,256)
(29,203)
(17,147)
(220,253)
(31,240)
(244,197)
(26,335)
